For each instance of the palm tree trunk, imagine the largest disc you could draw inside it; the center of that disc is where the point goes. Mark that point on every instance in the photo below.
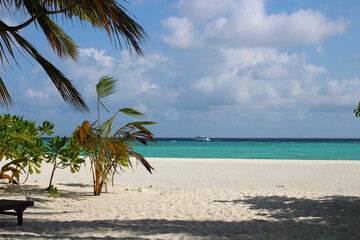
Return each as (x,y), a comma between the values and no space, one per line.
(97,187)
(98,105)
(96,190)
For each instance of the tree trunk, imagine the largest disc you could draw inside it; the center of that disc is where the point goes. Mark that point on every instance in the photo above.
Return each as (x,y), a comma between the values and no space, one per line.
(97,183)
(51,178)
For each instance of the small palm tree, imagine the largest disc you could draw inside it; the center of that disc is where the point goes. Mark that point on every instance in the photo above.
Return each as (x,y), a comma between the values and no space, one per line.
(109,150)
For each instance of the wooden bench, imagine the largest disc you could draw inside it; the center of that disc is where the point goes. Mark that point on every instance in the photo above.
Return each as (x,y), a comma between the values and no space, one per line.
(18,206)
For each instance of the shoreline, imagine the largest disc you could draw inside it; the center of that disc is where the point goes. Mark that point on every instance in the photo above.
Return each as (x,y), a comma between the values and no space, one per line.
(255,160)
(196,199)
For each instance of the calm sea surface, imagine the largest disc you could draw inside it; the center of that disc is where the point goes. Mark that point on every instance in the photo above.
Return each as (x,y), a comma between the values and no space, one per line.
(305,149)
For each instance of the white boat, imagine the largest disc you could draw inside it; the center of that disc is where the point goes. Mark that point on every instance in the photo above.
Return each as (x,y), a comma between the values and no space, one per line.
(204,139)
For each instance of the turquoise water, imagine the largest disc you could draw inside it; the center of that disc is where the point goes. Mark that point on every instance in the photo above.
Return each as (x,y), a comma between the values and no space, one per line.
(305,150)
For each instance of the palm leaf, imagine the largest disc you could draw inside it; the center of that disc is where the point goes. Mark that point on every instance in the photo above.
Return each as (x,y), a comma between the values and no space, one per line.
(5,98)
(105,87)
(143,161)
(128,111)
(59,41)
(132,112)
(68,92)
(7,48)
(108,15)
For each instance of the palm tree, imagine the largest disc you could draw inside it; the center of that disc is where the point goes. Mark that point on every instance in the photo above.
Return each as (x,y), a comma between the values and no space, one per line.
(109,150)
(108,15)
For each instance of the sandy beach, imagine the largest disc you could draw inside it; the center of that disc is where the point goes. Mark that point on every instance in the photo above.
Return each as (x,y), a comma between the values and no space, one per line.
(195,199)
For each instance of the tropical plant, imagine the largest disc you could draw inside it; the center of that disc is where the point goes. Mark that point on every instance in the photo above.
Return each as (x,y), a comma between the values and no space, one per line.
(109,150)
(108,15)
(7,152)
(21,146)
(357,111)
(62,153)
(53,192)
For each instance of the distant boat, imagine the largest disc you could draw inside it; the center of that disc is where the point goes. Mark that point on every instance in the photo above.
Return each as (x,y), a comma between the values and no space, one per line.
(204,139)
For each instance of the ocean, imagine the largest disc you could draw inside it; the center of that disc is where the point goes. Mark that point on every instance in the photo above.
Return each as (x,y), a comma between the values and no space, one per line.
(254,148)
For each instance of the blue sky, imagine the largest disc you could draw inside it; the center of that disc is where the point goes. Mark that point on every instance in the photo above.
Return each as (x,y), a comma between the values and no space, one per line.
(217,68)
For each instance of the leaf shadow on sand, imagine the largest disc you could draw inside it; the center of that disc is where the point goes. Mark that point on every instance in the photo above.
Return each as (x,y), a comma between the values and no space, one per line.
(333,217)
(332,210)
(81,185)
(38,193)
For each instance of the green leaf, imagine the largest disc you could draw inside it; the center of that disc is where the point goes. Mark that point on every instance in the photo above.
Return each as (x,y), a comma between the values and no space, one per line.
(106,86)
(132,112)
(67,90)
(38,171)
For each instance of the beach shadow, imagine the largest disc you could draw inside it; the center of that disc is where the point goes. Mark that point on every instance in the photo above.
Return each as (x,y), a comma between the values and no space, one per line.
(39,193)
(168,229)
(333,217)
(330,210)
(291,219)
(30,192)
(75,185)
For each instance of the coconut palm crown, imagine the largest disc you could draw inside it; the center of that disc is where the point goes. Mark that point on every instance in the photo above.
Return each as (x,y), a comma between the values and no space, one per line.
(108,15)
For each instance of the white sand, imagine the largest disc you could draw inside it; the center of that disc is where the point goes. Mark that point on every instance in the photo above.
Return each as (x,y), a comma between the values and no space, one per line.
(196,199)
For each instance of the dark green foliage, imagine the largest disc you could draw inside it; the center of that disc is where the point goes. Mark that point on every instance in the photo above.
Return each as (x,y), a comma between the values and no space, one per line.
(21,146)
(24,151)
(357,111)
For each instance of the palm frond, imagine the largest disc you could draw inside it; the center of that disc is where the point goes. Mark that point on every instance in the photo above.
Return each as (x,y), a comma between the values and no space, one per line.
(128,111)
(132,112)
(113,18)
(68,92)
(143,161)
(120,148)
(128,130)
(145,136)
(59,41)
(108,15)
(106,86)
(5,98)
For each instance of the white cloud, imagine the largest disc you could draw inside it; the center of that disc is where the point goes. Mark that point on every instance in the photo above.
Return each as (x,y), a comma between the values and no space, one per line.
(35,90)
(98,55)
(264,79)
(181,33)
(39,96)
(137,78)
(205,84)
(199,13)
(246,79)
(232,71)
(246,23)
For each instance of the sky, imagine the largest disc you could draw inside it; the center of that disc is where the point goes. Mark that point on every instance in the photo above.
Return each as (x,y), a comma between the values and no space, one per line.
(215,68)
